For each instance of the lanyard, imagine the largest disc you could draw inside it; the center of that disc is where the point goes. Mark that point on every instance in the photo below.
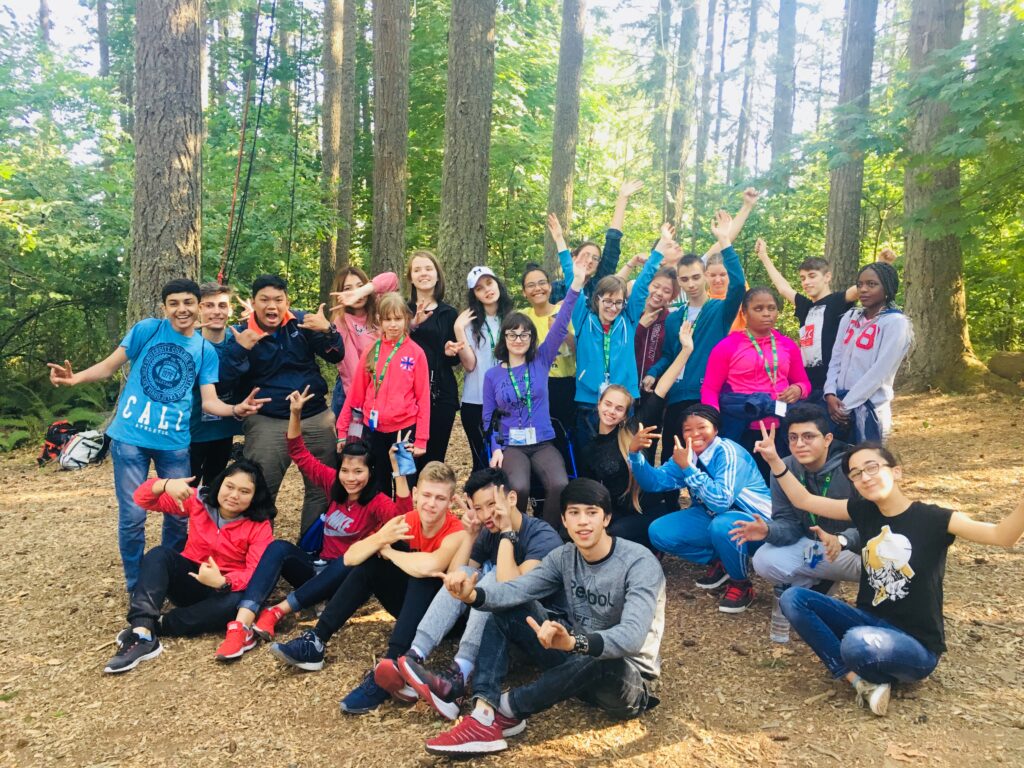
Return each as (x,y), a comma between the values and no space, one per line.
(824,492)
(607,352)
(773,372)
(529,391)
(490,336)
(378,381)
(686,319)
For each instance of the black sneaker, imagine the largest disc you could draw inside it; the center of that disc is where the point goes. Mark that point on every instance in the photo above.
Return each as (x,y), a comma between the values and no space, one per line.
(714,578)
(737,597)
(131,650)
(442,691)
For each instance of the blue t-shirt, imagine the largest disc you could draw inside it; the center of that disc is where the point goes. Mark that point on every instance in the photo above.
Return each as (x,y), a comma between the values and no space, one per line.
(205,427)
(156,403)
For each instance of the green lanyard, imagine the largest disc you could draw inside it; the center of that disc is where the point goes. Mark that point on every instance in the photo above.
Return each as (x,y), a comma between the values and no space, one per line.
(529,391)
(378,381)
(607,353)
(773,372)
(824,492)
(686,319)
(490,336)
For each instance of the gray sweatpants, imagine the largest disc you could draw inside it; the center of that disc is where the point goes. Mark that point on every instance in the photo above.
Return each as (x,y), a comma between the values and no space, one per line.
(441,616)
(786,565)
(266,444)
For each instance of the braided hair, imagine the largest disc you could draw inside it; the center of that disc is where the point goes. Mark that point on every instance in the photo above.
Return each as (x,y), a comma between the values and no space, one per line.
(888,277)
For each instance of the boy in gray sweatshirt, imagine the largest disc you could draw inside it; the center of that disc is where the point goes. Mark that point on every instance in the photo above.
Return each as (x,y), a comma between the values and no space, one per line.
(605,652)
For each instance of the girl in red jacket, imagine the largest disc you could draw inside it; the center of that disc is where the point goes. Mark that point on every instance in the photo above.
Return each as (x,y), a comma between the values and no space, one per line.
(229,528)
(391,392)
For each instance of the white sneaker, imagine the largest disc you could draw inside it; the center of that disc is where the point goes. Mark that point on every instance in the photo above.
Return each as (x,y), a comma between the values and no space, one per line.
(874,695)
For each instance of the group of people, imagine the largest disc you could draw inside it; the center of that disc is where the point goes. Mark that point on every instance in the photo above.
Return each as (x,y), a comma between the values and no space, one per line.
(779,444)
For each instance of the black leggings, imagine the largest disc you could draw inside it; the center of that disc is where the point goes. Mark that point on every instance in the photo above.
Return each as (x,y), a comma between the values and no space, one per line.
(473,424)
(380,448)
(404,597)
(442,419)
(209,459)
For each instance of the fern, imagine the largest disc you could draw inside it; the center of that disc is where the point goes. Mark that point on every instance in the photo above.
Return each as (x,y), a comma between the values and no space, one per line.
(11,440)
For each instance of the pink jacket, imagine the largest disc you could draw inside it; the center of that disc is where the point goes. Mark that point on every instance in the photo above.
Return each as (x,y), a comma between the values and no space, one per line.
(357,334)
(236,547)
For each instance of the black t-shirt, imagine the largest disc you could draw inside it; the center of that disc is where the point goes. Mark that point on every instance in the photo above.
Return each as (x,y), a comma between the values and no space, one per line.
(819,324)
(431,337)
(904,560)
(536,539)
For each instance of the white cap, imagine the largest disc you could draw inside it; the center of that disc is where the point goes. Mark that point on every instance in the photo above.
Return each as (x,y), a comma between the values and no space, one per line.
(476,273)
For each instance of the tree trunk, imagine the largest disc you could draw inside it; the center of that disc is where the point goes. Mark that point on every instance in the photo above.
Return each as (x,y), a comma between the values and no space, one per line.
(846,181)
(743,124)
(250,33)
(661,93)
(168,137)
(704,126)
(284,78)
(103,37)
(331,117)
(785,88)
(45,23)
(346,147)
(934,289)
(126,64)
(721,70)
(682,114)
(462,232)
(391,29)
(567,120)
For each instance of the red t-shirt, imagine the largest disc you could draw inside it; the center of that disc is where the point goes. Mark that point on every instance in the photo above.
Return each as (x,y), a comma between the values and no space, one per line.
(417,543)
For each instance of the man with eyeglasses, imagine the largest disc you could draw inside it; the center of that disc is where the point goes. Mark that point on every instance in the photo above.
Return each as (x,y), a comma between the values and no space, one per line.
(799,548)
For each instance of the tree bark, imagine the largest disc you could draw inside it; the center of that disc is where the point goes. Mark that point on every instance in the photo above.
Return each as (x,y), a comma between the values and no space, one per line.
(45,23)
(391,29)
(462,232)
(346,148)
(934,290)
(661,92)
(168,137)
(250,33)
(721,70)
(126,64)
(567,120)
(785,88)
(743,124)
(331,118)
(846,179)
(704,126)
(682,115)
(103,37)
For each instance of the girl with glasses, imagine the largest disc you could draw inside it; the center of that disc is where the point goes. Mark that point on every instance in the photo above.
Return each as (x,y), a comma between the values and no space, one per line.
(895,633)
(537,288)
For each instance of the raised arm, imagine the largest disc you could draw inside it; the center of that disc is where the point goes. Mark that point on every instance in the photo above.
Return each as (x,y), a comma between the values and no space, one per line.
(466,355)
(626,191)
(781,284)
(675,368)
(1005,533)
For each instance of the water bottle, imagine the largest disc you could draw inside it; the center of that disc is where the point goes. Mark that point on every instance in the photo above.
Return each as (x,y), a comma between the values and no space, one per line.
(779,632)
(355,429)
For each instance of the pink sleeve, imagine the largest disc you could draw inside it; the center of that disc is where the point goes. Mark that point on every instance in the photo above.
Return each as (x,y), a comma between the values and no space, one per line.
(421,388)
(309,465)
(260,539)
(385,282)
(797,373)
(353,399)
(148,500)
(716,372)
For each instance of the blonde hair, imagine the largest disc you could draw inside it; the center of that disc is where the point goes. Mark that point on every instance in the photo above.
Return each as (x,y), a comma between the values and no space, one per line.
(624,437)
(437,472)
(390,305)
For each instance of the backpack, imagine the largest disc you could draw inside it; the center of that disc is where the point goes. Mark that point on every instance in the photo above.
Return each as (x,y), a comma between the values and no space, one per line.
(83,449)
(57,434)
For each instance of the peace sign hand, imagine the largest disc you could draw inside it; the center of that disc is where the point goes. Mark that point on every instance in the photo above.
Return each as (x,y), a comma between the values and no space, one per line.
(246,309)
(452,348)
(644,438)
(297,400)
(551,634)
(250,405)
(62,375)
(766,447)
(316,321)
(681,454)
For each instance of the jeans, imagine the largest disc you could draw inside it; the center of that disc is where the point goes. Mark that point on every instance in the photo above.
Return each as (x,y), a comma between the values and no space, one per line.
(696,535)
(282,558)
(337,397)
(785,565)
(519,463)
(166,574)
(131,467)
(614,685)
(849,639)
(444,613)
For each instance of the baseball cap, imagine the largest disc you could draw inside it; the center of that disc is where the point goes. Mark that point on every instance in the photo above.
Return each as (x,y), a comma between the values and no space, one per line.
(476,273)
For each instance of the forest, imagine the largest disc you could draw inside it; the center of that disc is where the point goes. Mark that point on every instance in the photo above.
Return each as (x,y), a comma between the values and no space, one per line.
(308,135)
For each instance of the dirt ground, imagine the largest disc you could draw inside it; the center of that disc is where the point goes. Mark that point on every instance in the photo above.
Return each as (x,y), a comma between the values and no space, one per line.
(729,696)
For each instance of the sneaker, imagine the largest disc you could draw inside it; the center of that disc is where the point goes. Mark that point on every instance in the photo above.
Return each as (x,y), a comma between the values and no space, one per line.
(305,652)
(131,651)
(387,676)
(737,597)
(472,737)
(266,622)
(238,639)
(714,578)
(441,691)
(365,697)
(874,695)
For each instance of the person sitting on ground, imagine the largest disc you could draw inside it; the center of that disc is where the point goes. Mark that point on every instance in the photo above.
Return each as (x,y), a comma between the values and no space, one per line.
(725,487)
(799,548)
(229,532)
(895,633)
(276,349)
(357,509)
(605,653)
(507,545)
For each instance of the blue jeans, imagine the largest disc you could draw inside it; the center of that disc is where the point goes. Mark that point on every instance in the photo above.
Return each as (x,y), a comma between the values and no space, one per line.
(613,685)
(848,639)
(131,467)
(337,397)
(282,558)
(696,535)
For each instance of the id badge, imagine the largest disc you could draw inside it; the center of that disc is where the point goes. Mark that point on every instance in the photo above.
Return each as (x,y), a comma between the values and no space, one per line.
(604,385)
(522,436)
(372,420)
(780,408)
(814,553)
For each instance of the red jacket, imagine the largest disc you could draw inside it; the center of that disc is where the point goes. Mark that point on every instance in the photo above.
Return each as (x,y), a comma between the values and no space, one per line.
(236,547)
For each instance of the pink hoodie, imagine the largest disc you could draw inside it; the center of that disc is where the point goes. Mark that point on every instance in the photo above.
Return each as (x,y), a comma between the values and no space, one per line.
(358,334)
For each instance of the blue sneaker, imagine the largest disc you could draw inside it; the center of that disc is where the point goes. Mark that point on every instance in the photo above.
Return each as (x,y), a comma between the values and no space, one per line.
(305,652)
(365,697)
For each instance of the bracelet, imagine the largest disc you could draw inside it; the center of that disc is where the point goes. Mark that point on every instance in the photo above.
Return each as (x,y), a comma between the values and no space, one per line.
(781,474)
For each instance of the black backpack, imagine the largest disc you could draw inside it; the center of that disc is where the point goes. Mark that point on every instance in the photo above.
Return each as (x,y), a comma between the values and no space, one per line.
(57,434)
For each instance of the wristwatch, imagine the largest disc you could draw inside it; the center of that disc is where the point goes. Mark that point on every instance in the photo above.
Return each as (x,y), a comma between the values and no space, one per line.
(582,646)
(509,536)
(224,588)
(843,542)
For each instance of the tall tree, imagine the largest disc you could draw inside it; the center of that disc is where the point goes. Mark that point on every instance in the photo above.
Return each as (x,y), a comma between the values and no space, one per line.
(103,37)
(785,86)
(743,124)
(392,24)
(462,231)
(934,288)
(45,22)
(846,178)
(567,119)
(704,126)
(346,147)
(168,137)
(659,89)
(682,113)
(720,110)
(331,120)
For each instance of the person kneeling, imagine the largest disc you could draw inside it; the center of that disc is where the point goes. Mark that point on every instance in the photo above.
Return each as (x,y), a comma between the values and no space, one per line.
(229,529)
(606,653)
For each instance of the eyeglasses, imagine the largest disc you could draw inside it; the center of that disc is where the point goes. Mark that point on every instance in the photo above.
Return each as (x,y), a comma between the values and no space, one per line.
(870,469)
(513,336)
(805,437)
(612,304)
(538,284)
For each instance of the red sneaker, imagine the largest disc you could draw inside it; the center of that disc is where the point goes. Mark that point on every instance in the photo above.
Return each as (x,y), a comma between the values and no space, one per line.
(266,622)
(471,737)
(237,641)
(387,676)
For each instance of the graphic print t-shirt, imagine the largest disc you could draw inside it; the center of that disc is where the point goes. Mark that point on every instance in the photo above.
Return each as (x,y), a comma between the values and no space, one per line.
(156,403)
(904,560)
(819,324)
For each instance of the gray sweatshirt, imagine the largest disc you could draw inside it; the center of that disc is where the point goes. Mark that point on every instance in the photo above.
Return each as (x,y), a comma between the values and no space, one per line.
(867,355)
(617,602)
